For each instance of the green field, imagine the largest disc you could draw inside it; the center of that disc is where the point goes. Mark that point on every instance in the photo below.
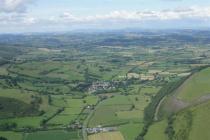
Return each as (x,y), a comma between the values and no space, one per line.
(131,130)
(53,135)
(24,121)
(12,135)
(157,131)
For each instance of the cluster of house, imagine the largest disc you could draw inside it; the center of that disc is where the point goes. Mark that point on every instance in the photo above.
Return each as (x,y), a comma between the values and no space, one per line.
(99,129)
(100,86)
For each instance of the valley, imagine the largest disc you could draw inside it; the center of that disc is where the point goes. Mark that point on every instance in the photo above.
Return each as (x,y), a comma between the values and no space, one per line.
(98,86)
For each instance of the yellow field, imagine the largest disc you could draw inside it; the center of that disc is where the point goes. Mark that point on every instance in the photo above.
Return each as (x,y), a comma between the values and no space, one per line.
(106,136)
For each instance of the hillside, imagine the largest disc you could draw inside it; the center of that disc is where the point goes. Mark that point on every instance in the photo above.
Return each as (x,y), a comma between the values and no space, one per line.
(184,114)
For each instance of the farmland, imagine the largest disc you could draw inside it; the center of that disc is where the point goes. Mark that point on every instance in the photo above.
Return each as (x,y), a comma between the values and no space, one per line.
(88,88)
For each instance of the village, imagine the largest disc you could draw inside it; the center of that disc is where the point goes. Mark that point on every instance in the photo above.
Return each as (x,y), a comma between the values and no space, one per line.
(149,76)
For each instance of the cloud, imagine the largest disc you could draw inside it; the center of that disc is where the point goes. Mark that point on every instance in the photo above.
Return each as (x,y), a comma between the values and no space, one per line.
(17,19)
(167,14)
(9,6)
(182,17)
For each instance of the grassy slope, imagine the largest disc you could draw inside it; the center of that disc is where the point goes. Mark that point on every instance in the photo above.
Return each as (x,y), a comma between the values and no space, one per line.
(200,125)
(196,86)
(191,123)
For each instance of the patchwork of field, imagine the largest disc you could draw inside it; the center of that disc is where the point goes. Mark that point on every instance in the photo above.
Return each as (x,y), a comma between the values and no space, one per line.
(106,136)
(73,109)
(119,109)
(70,71)
(55,92)
(124,112)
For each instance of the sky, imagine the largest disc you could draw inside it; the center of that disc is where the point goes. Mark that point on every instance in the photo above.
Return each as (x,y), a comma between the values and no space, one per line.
(68,15)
